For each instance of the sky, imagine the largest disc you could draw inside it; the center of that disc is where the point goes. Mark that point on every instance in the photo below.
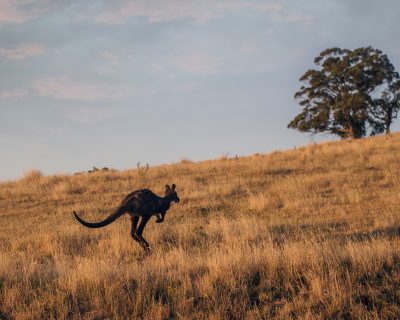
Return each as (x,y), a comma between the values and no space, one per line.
(111,83)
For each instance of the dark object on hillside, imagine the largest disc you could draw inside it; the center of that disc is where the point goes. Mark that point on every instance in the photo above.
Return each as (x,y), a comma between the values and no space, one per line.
(140,203)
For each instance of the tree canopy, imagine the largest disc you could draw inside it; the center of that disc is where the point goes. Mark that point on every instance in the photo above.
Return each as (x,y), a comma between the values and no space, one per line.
(351,94)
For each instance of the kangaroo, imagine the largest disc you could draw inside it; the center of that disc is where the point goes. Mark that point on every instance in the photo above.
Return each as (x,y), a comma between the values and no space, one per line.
(140,203)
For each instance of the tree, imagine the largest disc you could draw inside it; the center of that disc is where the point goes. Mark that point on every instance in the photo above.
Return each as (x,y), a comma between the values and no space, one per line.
(387,107)
(353,92)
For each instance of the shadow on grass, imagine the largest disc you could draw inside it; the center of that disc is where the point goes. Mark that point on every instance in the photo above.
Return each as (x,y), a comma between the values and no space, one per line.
(389,232)
(281,234)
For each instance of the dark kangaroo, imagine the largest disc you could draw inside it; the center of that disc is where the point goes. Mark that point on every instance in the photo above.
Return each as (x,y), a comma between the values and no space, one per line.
(140,203)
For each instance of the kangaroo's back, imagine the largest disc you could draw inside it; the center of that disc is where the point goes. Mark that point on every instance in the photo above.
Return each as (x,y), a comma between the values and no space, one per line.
(141,201)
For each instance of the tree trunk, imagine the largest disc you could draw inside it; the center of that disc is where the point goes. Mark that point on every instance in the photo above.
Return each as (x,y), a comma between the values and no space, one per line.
(388,119)
(355,132)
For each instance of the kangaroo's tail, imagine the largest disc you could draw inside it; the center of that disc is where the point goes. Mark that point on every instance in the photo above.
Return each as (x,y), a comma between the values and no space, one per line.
(119,212)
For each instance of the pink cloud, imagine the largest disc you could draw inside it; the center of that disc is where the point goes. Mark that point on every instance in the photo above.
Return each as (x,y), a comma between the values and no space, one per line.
(171,10)
(248,5)
(248,47)
(155,11)
(110,58)
(297,17)
(10,12)
(87,115)
(199,63)
(20,11)
(64,88)
(14,94)
(23,51)
(109,62)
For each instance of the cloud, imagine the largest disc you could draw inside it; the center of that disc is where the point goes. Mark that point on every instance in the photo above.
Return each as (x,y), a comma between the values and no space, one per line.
(13,11)
(155,11)
(248,47)
(23,51)
(243,60)
(87,115)
(14,94)
(187,87)
(297,17)
(199,63)
(110,58)
(109,62)
(172,10)
(64,88)
(248,5)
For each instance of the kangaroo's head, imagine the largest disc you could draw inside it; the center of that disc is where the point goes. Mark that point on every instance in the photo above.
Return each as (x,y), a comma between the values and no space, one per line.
(170,193)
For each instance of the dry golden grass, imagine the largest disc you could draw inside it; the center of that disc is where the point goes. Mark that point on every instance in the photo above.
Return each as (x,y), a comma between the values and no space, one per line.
(311,233)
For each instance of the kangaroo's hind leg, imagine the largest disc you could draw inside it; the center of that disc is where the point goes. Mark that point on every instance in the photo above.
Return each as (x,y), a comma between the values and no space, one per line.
(139,232)
(134,236)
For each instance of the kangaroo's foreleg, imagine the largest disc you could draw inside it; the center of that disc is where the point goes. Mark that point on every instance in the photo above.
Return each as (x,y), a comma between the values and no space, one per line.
(139,232)
(160,217)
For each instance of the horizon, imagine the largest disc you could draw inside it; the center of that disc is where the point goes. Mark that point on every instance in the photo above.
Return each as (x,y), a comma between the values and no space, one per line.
(113,84)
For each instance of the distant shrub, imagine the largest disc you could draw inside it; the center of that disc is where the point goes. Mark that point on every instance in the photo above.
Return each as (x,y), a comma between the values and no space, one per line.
(68,188)
(32,176)
(223,158)
(142,174)
(186,161)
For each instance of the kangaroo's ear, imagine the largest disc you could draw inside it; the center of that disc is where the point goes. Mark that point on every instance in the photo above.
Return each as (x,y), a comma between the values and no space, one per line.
(167,187)
(173,186)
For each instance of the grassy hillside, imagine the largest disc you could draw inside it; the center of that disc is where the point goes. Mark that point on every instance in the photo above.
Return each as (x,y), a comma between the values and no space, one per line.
(311,233)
